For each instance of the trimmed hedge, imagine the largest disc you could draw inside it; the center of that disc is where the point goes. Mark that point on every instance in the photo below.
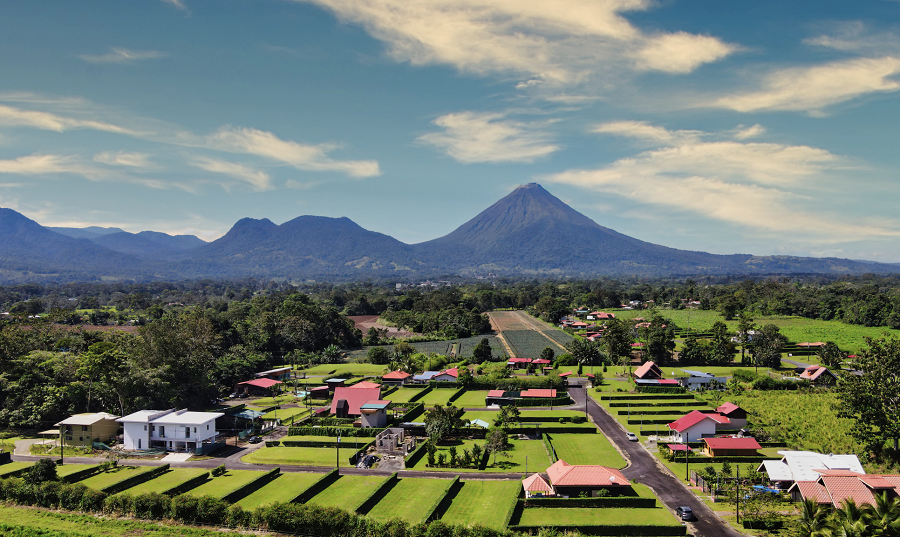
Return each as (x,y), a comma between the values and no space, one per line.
(134,480)
(558,430)
(413,411)
(243,490)
(361,451)
(550,449)
(321,484)
(611,529)
(447,500)
(681,404)
(187,485)
(634,502)
(422,393)
(647,397)
(333,431)
(536,401)
(457,395)
(650,422)
(376,495)
(637,412)
(417,454)
(81,474)
(432,511)
(655,389)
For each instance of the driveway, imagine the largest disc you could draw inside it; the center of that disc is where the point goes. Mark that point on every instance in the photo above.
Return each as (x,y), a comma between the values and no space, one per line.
(23,447)
(645,468)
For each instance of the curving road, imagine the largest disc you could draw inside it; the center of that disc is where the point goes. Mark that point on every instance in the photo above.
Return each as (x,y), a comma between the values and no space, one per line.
(644,468)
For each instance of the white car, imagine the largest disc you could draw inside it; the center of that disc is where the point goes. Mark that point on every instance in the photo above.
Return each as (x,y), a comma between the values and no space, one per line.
(631,437)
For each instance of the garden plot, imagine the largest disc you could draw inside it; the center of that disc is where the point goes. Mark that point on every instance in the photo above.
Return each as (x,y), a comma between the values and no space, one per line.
(485,503)
(168,480)
(348,492)
(409,499)
(114,475)
(219,487)
(306,456)
(586,449)
(11,467)
(283,488)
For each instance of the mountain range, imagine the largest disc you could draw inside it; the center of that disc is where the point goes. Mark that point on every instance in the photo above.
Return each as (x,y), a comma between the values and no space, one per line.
(528,232)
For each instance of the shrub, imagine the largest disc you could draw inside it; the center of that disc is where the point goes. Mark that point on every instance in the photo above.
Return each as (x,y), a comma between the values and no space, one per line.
(43,470)
(219,470)
(152,506)
(441,458)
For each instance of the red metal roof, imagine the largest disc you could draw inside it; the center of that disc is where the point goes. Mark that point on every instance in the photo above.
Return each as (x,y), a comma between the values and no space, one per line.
(540,361)
(648,369)
(679,447)
(732,443)
(693,418)
(520,360)
(563,474)
(544,393)
(355,398)
(452,372)
(536,483)
(396,375)
(364,384)
(496,393)
(727,408)
(261,383)
(841,488)
(566,374)
(813,490)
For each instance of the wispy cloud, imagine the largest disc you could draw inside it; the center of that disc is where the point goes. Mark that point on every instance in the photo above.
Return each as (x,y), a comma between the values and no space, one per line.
(561,42)
(258,179)
(759,186)
(177,3)
(489,137)
(11,116)
(49,165)
(122,55)
(811,89)
(122,158)
(856,36)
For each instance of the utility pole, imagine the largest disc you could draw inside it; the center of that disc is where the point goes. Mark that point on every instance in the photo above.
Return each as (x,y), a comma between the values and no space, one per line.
(62,449)
(337,459)
(737,494)
(687,458)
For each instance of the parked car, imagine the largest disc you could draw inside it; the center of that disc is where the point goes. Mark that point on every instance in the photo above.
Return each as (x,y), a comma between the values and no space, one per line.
(684,512)
(255,440)
(631,437)
(367,461)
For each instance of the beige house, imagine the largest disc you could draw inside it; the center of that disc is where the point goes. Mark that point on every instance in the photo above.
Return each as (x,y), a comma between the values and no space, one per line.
(85,429)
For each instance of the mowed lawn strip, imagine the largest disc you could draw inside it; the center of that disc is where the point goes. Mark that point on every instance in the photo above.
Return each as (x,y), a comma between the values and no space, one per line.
(283,488)
(403,395)
(409,498)
(11,467)
(164,482)
(586,449)
(222,485)
(306,456)
(437,396)
(484,503)
(347,492)
(68,469)
(531,451)
(471,399)
(113,476)
(586,516)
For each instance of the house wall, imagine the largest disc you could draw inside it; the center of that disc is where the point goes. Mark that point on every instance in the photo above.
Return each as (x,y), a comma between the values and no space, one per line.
(444,378)
(376,419)
(134,432)
(706,427)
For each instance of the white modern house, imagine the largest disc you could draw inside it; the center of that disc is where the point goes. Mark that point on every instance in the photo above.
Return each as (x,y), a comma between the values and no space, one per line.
(175,430)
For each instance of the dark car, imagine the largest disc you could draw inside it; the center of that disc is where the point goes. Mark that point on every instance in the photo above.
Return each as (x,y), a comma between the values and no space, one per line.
(255,440)
(685,513)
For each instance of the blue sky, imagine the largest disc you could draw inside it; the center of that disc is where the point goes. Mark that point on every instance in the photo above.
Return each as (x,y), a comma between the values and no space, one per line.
(730,127)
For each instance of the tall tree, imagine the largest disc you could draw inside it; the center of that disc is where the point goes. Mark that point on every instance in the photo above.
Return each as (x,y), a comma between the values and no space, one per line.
(872,399)
(831,355)
(745,326)
(617,338)
(767,346)
(584,351)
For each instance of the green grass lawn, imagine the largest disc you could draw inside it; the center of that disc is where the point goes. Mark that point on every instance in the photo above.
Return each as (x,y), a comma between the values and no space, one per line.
(586,449)
(348,491)
(113,476)
(222,485)
(531,451)
(551,416)
(341,370)
(286,413)
(166,481)
(409,498)
(461,445)
(305,456)
(484,503)
(310,438)
(471,399)
(437,397)
(67,469)
(14,466)
(283,488)
(403,395)
(576,516)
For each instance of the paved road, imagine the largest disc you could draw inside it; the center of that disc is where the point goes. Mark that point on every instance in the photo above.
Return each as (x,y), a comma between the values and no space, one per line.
(644,468)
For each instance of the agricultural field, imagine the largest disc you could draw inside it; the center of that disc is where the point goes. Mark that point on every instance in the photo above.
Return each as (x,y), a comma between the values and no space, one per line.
(463,346)
(171,478)
(409,498)
(471,399)
(344,370)
(586,449)
(586,516)
(113,476)
(305,456)
(529,343)
(484,503)
(11,467)
(283,488)
(348,491)
(222,485)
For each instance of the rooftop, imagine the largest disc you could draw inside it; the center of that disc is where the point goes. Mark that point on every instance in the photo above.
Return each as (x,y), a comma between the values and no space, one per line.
(87,419)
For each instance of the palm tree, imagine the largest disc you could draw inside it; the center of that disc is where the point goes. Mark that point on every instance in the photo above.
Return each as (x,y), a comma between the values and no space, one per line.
(850,520)
(813,519)
(883,517)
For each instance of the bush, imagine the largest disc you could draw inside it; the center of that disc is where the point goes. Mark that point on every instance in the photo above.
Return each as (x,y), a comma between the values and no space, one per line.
(744,375)
(43,470)
(219,470)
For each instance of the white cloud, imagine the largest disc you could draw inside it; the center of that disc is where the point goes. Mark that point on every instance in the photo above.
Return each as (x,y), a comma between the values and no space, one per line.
(485,137)
(642,130)
(301,156)
(256,178)
(122,55)
(855,36)
(16,117)
(814,88)
(48,164)
(560,42)
(122,158)
(177,3)
(743,133)
(763,187)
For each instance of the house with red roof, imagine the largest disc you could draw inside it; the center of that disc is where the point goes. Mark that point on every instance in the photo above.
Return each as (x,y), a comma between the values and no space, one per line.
(820,375)
(731,447)
(518,363)
(395,378)
(537,487)
(695,425)
(260,386)
(736,415)
(364,384)
(539,393)
(833,487)
(571,480)
(649,370)
(447,375)
(348,400)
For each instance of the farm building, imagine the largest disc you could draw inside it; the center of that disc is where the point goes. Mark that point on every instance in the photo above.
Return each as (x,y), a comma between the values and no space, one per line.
(85,429)
(519,363)
(832,487)
(261,387)
(176,430)
(796,466)
(820,375)
(735,414)
(346,401)
(728,447)
(395,378)
(649,370)
(572,480)
(695,425)
(374,414)
(282,374)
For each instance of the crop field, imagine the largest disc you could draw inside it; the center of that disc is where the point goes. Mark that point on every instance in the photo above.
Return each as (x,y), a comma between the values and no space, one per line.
(483,502)
(283,488)
(348,491)
(14,466)
(586,449)
(471,399)
(409,498)
(529,343)
(437,397)
(222,485)
(304,456)
(166,481)
(113,476)
(577,516)
(464,348)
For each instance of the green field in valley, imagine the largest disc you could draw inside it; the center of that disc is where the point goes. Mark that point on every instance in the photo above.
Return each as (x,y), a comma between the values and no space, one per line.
(586,449)
(483,502)
(166,481)
(283,488)
(409,498)
(348,491)
(224,484)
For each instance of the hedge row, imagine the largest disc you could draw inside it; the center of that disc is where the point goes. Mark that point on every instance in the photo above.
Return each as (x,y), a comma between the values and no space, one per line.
(417,454)
(81,475)
(677,403)
(647,397)
(556,401)
(413,411)
(247,488)
(609,529)
(432,510)
(129,482)
(700,459)
(187,485)
(301,443)
(421,394)
(206,510)
(635,502)
(376,495)
(457,395)
(640,421)
(516,383)
(660,390)
(550,429)
(550,449)
(321,484)
(333,431)
(329,422)
(651,412)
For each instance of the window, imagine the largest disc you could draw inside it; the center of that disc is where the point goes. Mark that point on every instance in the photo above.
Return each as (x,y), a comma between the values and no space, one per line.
(162,431)
(195,429)
(84,428)
(187,432)
(207,426)
(145,427)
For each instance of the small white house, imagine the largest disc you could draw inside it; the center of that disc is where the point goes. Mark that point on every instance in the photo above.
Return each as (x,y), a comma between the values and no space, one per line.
(373,414)
(447,375)
(696,425)
(175,430)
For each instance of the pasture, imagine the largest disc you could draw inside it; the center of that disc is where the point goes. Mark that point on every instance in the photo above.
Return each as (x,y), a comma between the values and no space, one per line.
(348,491)
(409,498)
(283,488)
(484,503)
